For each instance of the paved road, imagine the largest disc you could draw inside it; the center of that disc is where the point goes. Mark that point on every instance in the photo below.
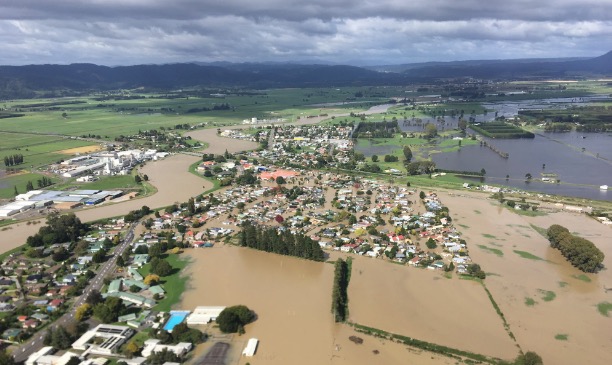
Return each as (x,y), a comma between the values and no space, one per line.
(36,342)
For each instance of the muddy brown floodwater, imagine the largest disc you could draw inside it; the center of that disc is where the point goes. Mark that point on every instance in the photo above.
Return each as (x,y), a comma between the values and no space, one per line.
(292,299)
(564,304)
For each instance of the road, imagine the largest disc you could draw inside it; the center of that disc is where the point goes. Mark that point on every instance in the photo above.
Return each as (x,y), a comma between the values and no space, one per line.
(36,342)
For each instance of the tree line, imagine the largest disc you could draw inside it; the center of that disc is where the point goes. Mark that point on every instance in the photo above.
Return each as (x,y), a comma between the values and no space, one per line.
(13,160)
(40,183)
(339,290)
(59,229)
(384,129)
(283,243)
(580,252)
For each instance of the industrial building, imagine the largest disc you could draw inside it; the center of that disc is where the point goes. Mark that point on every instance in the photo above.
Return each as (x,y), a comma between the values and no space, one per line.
(112,338)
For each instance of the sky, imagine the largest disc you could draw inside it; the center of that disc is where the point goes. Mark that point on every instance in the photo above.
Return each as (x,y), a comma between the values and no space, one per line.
(356,32)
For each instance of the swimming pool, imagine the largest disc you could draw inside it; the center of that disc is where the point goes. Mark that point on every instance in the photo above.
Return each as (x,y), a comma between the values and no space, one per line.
(176,317)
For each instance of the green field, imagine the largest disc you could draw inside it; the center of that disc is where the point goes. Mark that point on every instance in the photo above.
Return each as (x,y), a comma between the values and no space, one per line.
(174,284)
(8,183)
(43,152)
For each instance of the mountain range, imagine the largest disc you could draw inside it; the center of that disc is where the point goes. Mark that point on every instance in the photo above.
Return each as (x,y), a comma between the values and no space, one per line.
(23,81)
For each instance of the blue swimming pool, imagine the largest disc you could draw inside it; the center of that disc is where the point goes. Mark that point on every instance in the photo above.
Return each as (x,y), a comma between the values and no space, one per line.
(176,317)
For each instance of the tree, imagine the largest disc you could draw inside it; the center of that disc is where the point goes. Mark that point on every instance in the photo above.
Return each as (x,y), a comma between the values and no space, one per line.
(462,124)
(430,131)
(99,256)
(280,180)
(374,158)
(529,358)
(160,267)
(483,171)
(137,179)
(151,279)
(5,358)
(231,318)
(155,250)
(83,312)
(29,186)
(407,153)
(145,177)
(120,261)
(422,195)
(94,298)
(163,356)
(130,349)
(60,254)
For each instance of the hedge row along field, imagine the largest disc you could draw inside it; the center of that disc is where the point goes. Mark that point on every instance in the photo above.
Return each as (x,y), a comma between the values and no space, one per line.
(501,130)
(580,252)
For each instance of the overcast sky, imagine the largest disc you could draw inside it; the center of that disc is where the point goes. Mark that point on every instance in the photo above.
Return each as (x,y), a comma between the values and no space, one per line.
(358,32)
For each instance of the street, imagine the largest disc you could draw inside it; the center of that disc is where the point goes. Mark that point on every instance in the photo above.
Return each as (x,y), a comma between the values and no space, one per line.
(36,342)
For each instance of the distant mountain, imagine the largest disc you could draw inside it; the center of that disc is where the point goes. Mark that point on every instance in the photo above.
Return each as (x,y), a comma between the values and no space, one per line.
(24,81)
(515,69)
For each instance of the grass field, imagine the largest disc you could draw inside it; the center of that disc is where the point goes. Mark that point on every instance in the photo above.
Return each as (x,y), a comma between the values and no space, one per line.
(44,153)
(8,183)
(174,284)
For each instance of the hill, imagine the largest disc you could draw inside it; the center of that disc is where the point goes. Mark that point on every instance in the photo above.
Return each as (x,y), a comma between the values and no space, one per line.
(28,81)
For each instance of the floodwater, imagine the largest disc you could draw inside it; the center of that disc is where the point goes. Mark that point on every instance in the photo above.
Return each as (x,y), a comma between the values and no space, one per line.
(555,153)
(513,279)
(292,300)
(581,159)
(170,176)
(424,305)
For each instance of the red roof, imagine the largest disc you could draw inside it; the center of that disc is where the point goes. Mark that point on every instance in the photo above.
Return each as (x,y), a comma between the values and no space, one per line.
(273,175)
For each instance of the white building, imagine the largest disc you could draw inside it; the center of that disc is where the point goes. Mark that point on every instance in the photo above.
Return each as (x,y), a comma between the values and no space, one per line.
(251,347)
(153,345)
(203,315)
(113,337)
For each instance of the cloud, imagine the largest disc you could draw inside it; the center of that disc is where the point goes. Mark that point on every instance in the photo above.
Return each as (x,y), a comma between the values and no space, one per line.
(342,31)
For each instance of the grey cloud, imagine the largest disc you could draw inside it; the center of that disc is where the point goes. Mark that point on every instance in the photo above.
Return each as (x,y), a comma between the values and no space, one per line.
(364,32)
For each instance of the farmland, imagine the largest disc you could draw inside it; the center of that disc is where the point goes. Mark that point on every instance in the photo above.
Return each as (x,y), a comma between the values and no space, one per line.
(501,130)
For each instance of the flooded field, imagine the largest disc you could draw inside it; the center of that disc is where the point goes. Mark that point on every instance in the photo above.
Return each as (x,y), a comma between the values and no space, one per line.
(425,305)
(292,300)
(550,306)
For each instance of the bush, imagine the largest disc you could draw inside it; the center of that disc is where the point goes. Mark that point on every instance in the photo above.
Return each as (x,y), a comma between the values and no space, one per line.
(231,319)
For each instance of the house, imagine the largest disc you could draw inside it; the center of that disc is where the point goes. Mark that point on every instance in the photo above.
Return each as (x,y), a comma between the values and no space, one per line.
(55,304)
(33,279)
(6,282)
(30,323)
(11,333)
(69,279)
(415,261)
(64,290)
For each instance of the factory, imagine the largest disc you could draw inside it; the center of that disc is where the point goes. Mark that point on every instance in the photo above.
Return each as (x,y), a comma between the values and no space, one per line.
(37,199)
